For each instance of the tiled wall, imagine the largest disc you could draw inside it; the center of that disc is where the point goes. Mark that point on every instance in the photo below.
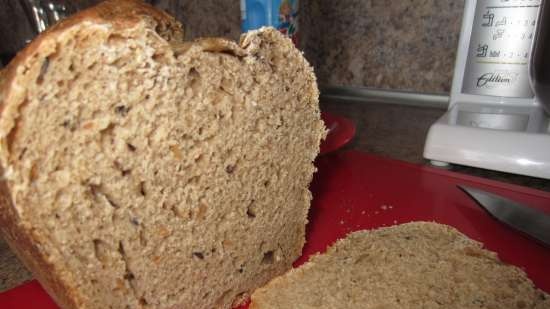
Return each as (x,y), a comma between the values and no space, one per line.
(402,45)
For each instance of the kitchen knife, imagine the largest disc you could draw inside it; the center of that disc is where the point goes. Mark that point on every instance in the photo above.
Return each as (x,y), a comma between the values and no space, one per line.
(530,221)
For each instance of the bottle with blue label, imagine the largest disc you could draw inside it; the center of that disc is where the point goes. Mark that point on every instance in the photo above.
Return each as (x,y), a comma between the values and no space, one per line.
(280,14)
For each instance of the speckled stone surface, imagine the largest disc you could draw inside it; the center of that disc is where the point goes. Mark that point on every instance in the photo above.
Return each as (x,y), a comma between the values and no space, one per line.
(406,45)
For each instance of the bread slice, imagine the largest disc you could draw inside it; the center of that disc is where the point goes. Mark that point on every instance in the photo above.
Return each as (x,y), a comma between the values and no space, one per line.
(414,265)
(141,171)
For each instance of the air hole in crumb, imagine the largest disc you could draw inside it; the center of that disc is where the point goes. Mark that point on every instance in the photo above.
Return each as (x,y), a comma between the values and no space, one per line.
(200,130)
(92,66)
(101,250)
(121,248)
(67,124)
(266,183)
(115,39)
(194,80)
(71,67)
(193,73)
(147,97)
(43,70)
(134,221)
(22,153)
(131,147)
(143,301)
(158,57)
(198,255)
(226,85)
(142,188)
(198,158)
(268,258)
(229,169)
(206,295)
(176,211)
(251,210)
(142,238)
(57,216)
(97,192)
(111,202)
(123,171)
(122,110)
(129,276)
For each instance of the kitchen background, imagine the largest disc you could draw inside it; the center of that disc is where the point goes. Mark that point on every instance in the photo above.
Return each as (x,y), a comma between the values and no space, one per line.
(399,45)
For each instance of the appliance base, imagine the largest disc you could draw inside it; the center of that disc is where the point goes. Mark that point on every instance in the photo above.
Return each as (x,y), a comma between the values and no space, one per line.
(522,148)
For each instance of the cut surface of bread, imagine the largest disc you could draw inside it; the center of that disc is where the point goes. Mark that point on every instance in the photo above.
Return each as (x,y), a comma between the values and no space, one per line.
(413,265)
(141,171)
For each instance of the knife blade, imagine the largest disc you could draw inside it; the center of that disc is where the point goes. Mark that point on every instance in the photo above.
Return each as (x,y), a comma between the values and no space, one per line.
(530,221)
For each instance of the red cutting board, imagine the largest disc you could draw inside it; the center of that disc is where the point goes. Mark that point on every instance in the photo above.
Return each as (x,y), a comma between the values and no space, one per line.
(354,191)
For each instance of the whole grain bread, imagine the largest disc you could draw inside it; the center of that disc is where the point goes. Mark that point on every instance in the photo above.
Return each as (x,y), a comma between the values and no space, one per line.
(414,265)
(141,171)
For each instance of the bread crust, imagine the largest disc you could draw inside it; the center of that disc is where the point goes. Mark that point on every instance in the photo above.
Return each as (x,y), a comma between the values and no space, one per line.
(26,246)
(21,238)
(119,14)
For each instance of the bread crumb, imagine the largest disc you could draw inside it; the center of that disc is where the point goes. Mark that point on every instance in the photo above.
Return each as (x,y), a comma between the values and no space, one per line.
(406,270)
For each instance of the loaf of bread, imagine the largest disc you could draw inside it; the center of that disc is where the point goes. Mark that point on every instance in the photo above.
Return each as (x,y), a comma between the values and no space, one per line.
(414,265)
(141,171)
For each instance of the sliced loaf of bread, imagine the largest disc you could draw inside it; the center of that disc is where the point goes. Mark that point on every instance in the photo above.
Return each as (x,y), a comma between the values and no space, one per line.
(414,265)
(141,171)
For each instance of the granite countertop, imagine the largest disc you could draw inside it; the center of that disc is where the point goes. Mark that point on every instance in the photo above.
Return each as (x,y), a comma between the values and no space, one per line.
(395,131)
(399,132)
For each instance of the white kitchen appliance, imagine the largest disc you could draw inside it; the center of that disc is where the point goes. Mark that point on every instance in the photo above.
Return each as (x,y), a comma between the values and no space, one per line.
(494,120)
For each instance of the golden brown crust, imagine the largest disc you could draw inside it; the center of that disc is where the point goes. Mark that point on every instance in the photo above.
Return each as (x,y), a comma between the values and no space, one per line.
(22,239)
